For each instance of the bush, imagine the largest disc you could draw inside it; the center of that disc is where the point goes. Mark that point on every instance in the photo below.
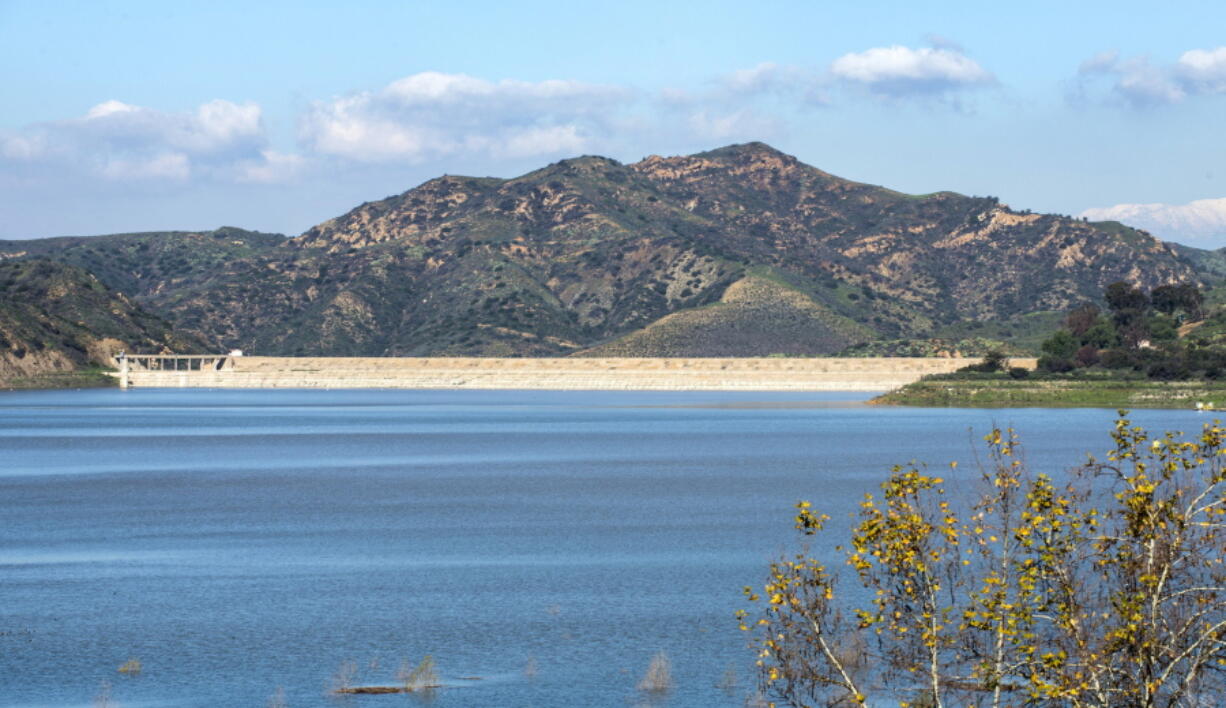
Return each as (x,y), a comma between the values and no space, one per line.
(1056,364)
(1104,589)
(1168,369)
(1019,372)
(1118,359)
(993,361)
(1162,329)
(1087,356)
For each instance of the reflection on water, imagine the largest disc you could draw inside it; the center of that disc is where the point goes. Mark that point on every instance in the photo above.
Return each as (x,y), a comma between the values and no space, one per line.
(240,541)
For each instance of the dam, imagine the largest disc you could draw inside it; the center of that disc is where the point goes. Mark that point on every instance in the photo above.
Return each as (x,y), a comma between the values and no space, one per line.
(626,374)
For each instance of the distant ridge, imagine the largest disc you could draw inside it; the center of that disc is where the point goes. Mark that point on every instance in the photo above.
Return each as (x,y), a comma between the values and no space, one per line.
(738,251)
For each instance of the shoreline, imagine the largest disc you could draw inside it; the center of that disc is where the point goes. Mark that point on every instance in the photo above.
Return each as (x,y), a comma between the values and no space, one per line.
(1072,393)
(60,380)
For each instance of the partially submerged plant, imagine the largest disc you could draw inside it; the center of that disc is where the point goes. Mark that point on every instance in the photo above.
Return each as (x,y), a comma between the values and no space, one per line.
(659,676)
(102,699)
(728,682)
(422,677)
(342,680)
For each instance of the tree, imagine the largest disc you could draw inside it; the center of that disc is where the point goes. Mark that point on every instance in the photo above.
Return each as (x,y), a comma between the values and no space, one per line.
(1080,319)
(1121,296)
(995,360)
(1168,299)
(1105,589)
(1129,306)
(1058,352)
(1061,344)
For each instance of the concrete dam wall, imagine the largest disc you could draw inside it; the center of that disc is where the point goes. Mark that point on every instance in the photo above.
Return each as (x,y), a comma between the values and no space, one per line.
(759,374)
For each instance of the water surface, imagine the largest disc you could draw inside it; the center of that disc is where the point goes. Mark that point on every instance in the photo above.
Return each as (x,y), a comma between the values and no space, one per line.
(239,541)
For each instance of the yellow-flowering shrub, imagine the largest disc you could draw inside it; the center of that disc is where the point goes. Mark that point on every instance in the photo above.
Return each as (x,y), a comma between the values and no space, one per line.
(1104,588)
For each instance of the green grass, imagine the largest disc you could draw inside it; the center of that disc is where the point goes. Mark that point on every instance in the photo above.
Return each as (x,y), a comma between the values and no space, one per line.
(1002,392)
(85,378)
(1125,233)
(1024,333)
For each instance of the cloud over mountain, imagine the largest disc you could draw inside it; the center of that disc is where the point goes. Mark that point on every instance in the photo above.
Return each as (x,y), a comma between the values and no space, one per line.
(431,115)
(1194,221)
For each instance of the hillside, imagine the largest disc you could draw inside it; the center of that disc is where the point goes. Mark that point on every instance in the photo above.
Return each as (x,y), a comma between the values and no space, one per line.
(754,314)
(740,251)
(56,317)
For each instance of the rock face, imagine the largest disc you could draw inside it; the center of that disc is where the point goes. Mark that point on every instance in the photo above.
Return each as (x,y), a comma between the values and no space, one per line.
(57,317)
(741,251)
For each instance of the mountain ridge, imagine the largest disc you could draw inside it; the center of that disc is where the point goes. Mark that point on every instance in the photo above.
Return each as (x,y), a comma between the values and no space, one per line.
(585,252)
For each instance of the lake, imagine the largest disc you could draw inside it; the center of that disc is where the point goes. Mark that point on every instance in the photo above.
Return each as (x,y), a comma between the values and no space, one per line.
(541,546)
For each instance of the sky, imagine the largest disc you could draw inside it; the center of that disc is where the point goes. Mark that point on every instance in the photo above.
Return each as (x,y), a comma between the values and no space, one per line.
(275,116)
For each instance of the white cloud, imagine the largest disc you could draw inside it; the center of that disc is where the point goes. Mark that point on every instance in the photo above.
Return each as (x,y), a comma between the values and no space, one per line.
(216,126)
(1199,220)
(766,76)
(738,125)
(432,87)
(220,123)
(1104,61)
(107,108)
(557,139)
(431,115)
(1134,80)
(170,165)
(23,147)
(270,167)
(1141,83)
(119,141)
(900,71)
(1204,70)
(942,42)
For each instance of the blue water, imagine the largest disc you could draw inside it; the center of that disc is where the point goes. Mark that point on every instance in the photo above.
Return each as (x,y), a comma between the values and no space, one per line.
(237,542)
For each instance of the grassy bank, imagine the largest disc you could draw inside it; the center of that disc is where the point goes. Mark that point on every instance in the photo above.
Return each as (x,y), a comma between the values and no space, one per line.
(1002,392)
(85,378)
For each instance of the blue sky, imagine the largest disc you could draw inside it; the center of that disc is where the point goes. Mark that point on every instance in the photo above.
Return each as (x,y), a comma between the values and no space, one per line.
(127,116)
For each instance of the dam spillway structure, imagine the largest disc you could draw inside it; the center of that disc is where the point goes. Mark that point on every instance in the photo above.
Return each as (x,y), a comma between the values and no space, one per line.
(176,364)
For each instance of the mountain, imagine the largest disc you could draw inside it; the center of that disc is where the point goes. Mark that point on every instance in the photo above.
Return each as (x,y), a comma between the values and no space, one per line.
(1210,264)
(59,317)
(739,251)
